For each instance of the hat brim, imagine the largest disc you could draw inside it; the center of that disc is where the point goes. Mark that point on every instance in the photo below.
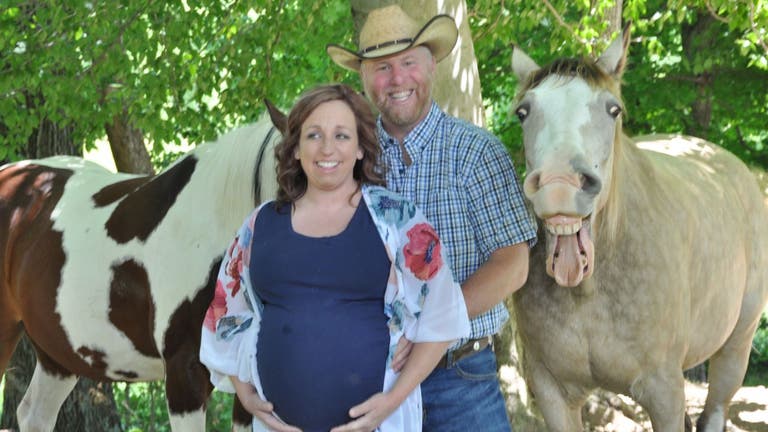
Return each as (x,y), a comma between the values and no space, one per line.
(439,35)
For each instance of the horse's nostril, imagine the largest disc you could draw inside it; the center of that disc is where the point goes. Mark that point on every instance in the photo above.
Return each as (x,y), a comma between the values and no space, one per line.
(531,185)
(590,183)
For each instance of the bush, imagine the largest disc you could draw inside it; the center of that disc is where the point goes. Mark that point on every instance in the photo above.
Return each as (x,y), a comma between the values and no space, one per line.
(757,372)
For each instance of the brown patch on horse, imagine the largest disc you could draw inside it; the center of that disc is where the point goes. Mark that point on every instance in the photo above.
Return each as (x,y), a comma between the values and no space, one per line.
(115,191)
(96,357)
(140,212)
(129,375)
(129,293)
(184,372)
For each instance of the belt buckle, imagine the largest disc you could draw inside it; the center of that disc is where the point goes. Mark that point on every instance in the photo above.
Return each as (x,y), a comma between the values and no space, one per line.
(468,348)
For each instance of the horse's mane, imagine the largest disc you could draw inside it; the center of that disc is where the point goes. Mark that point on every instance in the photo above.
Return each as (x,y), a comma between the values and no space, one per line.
(225,162)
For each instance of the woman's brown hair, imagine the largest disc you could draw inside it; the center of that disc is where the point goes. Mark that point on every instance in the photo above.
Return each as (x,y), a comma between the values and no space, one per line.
(291,179)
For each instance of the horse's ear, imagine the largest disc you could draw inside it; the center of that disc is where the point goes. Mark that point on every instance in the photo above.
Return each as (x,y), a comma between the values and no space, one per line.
(614,59)
(522,65)
(279,120)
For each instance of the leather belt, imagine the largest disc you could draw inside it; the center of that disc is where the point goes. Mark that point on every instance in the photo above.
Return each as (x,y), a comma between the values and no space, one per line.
(467,349)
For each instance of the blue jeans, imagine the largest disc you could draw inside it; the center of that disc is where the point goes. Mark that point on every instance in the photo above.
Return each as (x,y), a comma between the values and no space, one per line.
(465,396)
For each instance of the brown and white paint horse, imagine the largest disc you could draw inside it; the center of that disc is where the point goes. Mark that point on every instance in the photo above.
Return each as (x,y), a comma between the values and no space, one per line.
(111,274)
(654,253)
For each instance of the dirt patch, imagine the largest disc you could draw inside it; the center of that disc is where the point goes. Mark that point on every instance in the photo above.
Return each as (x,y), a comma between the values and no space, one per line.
(609,412)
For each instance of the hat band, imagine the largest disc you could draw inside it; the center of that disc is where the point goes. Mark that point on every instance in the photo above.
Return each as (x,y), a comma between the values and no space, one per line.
(386,44)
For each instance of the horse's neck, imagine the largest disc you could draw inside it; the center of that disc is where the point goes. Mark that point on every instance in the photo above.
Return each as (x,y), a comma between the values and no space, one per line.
(632,183)
(225,183)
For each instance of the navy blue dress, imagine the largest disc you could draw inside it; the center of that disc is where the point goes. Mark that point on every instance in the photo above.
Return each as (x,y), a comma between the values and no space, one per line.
(323,340)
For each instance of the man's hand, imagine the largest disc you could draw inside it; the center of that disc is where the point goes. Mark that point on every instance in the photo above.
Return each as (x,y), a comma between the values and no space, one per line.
(402,352)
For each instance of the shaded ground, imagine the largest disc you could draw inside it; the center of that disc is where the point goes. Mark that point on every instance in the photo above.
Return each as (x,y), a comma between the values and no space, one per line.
(608,412)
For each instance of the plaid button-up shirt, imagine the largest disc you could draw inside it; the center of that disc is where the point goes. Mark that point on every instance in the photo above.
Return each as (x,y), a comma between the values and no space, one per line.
(463,179)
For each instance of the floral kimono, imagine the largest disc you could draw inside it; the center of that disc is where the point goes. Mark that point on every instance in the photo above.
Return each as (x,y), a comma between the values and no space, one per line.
(422,301)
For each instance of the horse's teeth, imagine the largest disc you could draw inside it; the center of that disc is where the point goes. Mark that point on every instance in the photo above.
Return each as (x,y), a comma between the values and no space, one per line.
(564,229)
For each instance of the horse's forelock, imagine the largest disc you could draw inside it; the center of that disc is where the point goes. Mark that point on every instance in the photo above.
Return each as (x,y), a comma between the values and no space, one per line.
(571,68)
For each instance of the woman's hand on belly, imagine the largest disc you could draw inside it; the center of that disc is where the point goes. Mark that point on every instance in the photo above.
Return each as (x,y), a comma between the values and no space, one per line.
(370,414)
(260,408)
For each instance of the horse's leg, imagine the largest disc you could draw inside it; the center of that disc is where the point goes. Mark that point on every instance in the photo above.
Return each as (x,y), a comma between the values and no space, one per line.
(727,368)
(560,412)
(662,394)
(187,387)
(241,418)
(40,406)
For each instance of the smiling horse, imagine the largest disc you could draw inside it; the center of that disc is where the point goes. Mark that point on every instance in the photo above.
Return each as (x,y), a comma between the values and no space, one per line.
(111,274)
(653,259)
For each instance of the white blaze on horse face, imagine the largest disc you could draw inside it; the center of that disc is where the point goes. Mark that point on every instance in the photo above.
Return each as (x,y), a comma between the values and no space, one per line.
(568,136)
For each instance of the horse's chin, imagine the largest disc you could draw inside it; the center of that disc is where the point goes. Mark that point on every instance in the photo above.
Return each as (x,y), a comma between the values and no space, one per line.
(570,251)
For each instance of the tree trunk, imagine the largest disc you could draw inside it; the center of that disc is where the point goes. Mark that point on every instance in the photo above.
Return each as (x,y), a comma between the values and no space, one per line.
(90,406)
(127,145)
(461,96)
(697,42)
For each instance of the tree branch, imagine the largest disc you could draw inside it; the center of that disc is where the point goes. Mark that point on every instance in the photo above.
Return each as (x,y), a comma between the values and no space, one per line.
(562,22)
(714,14)
(490,27)
(118,36)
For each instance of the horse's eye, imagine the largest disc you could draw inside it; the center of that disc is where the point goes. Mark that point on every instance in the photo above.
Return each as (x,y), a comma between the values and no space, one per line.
(613,109)
(521,112)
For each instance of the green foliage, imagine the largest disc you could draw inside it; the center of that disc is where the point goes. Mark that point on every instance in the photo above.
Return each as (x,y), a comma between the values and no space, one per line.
(757,372)
(189,71)
(142,408)
(183,70)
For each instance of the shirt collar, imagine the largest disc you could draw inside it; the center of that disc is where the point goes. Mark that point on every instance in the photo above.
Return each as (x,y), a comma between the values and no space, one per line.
(416,139)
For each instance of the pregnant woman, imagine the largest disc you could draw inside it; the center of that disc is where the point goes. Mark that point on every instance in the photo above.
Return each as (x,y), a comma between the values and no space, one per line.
(319,286)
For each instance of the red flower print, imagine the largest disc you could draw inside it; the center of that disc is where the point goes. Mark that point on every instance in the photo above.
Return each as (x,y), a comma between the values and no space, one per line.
(422,253)
(234,269)
(217,308)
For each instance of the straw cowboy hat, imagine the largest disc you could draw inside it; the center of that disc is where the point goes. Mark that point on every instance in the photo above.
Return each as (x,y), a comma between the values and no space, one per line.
(390,30)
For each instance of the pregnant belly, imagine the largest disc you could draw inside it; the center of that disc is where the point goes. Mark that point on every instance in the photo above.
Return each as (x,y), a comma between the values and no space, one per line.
(316,364)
